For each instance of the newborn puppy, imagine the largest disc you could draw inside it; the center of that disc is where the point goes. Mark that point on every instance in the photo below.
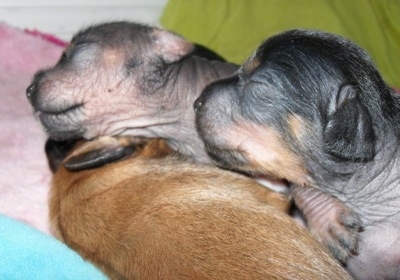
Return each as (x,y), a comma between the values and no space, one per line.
(123,78)
(310,107)
(150,214)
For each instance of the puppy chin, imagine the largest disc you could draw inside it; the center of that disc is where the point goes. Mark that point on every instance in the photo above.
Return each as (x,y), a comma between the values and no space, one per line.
(63,132)
(228,159)
(61,126)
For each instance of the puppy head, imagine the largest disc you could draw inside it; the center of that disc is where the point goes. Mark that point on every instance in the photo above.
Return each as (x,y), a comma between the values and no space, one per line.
(234,142)
(303,97)
(107,70)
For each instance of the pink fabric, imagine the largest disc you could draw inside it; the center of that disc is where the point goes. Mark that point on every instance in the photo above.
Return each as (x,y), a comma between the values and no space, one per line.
(47,37)
(24,174)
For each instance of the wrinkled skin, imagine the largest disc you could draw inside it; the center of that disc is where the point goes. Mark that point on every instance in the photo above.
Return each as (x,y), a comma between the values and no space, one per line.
(310,107)
(123,78)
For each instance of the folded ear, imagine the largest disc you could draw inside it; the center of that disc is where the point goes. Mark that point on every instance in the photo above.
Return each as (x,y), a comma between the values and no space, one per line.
(348,132)
(170,46)
(94,154)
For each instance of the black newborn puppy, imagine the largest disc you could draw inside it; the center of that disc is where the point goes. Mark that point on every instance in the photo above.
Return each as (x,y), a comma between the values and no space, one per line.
(310,107)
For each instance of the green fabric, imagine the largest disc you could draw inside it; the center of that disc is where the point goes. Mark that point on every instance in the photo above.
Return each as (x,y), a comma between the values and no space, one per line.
(234,28)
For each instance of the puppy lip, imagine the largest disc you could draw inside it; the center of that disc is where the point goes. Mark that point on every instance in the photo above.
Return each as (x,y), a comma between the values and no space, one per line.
(62,124)
(60,129)
(60,112)
(65,135)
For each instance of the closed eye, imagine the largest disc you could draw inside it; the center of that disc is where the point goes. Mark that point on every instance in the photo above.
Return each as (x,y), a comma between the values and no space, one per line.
(133,63)
(70,52)
(161,66)
(161,70)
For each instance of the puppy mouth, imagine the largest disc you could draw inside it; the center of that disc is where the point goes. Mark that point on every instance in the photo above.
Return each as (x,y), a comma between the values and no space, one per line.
(59,112)
(225,157)
(63,124)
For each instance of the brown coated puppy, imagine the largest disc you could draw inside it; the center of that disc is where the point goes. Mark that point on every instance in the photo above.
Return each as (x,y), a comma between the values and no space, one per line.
(154,215)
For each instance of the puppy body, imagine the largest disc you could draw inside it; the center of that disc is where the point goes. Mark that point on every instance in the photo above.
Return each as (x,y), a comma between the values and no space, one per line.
(310,107)
(155,216)
(123,78)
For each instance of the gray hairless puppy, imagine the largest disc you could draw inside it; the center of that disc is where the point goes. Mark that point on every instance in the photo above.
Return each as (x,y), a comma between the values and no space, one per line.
(123,78)
(311,107)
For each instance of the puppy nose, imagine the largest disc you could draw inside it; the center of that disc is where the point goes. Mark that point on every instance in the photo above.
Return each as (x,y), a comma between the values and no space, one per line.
(31,92)
(198,103)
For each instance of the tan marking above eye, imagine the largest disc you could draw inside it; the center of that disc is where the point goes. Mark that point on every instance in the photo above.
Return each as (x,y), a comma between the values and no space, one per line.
(298,127)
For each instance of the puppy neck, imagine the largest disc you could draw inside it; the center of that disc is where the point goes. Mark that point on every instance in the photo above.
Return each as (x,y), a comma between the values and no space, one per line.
(186,79)
(378,181)
(360,183)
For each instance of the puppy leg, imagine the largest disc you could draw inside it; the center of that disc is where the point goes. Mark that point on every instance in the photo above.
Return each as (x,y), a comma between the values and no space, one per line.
(332,223)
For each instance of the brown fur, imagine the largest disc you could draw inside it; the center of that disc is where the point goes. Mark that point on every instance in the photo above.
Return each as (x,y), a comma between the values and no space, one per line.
(155,216)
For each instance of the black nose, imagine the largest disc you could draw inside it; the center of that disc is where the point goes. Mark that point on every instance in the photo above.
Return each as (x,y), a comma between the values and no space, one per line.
(202,99)
(198,103)
(31,92)
(33,88)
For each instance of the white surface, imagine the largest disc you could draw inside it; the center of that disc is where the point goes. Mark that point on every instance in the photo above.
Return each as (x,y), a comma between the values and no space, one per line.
(64,18)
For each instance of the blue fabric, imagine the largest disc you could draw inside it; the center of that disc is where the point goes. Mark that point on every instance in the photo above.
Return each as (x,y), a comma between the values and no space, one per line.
(26,253)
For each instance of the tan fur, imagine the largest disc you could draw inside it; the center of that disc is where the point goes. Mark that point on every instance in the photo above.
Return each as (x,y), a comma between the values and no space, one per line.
(298,127)
(274,159)
(155,216)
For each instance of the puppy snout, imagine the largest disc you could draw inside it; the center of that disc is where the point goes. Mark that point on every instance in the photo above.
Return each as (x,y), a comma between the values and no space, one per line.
(218,92)
(201,100)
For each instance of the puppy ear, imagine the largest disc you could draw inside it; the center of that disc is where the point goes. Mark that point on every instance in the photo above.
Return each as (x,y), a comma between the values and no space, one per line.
(170,46)
(348,133)
(96,154)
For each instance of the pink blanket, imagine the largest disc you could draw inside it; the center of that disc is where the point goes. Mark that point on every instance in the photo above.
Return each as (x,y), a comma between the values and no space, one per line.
(24,174)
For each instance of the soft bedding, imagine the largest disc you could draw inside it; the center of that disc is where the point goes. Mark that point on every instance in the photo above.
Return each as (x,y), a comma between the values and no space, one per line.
(27,253)
(24,175)
(26,249)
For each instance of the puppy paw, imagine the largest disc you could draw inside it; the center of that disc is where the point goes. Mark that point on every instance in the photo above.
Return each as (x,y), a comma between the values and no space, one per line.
(330,220)
(342,234)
